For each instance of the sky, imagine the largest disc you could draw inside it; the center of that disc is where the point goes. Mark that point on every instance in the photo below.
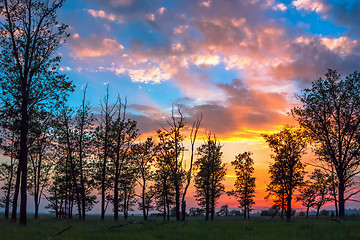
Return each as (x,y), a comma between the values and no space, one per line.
(238,62)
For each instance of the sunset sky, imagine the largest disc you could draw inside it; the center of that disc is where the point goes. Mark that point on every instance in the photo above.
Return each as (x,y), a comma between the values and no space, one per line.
(238,62)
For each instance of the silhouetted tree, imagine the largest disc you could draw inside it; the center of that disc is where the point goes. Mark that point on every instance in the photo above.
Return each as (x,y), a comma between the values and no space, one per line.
(127,183)
(84,148)
(321,184)
(144,157)
(193,135)
(211,173)
(196,212)
(224,210)
(287,171)
(307,196)
(163,188)
(10,148)
(245,182)
(41,154)
(29,37)
(330,112)
(124,132)
(171,143)
(103,138)
(66,175)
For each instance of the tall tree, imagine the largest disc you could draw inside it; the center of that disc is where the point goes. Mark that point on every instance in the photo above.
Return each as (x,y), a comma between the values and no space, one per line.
(29,38)
(103,136)
(163,187)
(245,182)
(330,111)
(193,135)
(171,140)
(211,173)
(287,171)
(125,132)
(84,120)
(144,157)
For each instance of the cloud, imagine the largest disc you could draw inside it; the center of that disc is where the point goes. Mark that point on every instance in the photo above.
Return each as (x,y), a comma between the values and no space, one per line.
(192,43)
(95,46)
(101,14)
(310,5)
(280,6)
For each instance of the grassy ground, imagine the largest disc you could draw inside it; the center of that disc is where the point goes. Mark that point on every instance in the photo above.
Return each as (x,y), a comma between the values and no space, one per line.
(194,228)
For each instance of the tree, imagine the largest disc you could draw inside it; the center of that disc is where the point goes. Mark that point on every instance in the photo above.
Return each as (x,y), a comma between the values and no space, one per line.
(65,178)
(144,156)
(29,37)
(41,154)
(330,111)
(83,149)
(103,136)
(171,143)
(287,171)
(307,196)
(321,184)
(127,183)
(245,182)
(124,132)
(211,173)
(163,188)
(224,211)
(193,135)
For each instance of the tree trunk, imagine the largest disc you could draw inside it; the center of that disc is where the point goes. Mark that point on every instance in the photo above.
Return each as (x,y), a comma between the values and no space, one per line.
(288,208)
(207,207)
(7,197)
(7,206)
(16,195)
(341,198)
(23,154)
(307,212)
(183,210)
(116,193)
(317,211)
(177,199)
(103,175)
(143,201)
(212,207)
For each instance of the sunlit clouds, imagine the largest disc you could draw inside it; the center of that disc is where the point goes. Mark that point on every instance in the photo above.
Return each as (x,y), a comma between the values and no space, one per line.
(192,44)
(239,63)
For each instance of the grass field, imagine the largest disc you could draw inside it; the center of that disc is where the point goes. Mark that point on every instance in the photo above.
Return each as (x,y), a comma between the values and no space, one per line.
(223,228)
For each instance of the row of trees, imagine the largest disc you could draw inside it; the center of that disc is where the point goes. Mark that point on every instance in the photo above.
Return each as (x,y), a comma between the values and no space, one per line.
(72,154)
(52,146)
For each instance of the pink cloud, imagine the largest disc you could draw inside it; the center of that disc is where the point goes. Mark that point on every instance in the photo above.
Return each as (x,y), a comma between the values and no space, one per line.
(95,46)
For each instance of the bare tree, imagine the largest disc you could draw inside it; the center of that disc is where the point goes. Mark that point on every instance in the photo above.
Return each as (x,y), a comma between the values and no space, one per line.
(172,139)
(193,135)
(103,133)
(125,133)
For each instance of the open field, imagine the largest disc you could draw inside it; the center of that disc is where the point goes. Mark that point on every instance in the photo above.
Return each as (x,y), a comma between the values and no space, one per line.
(195,228)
